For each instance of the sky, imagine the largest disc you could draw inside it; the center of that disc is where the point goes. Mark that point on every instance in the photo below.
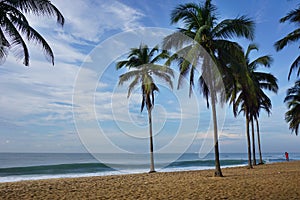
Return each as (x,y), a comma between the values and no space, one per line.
(77,106)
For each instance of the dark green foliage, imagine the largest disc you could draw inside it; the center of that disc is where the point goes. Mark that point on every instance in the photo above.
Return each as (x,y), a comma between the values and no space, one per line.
(292,116)
(294,36)
(14,27)
(245,88)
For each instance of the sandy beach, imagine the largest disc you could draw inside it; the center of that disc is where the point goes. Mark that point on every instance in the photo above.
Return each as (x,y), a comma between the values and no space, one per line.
(269,181)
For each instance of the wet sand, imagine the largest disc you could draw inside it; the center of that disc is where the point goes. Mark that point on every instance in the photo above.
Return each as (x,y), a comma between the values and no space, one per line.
(269,181)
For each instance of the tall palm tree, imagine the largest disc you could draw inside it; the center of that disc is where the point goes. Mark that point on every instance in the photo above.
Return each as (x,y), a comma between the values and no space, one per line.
(240,94)
(265,104)
(201,24)
(247,93)
(142,67)
(294,17)
(292,116)
(14,27)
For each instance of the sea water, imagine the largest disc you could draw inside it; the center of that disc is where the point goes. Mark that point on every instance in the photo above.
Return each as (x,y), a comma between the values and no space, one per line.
(34,166)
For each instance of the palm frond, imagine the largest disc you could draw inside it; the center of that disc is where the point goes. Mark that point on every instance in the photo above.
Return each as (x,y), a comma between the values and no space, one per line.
(153,51)
(290,38)
(128,75)
(4,47)
(266,81)
(176,40)
(293,93)
(228,51)
(261,61)
(162,69)
(132,85)
(179,56)
(292,116)
(18,45)
(184,67)
(204,90)
(239,101)
(264,103)
(33,35)
(40,7)
(164,77)
(185,12)
(295,66)
(163,55)
(121,64)
(292,16)
(135,52)
(250,48)
(239,27)
(292,99)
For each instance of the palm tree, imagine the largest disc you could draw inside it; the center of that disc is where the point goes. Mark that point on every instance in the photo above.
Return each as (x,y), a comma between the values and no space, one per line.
(240,94)
(14,27)
(246,93)
(200,24)
(292,116)
(294,17)
(264,103)
(141,64)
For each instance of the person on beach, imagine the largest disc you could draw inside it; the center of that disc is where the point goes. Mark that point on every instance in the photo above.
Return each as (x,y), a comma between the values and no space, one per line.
(287,156)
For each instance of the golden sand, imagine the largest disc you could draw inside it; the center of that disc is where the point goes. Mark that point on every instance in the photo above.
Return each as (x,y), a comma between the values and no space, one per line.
(270,181)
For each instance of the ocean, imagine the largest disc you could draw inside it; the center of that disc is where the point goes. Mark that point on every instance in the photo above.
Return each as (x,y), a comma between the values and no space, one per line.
(34,166)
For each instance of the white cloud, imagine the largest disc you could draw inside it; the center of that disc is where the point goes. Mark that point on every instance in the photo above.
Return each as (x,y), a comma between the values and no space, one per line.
(33,91)
(42,94)
(87,19)
(41,88)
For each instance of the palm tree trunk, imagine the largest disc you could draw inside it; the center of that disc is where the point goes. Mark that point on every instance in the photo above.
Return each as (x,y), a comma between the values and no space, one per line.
(151,142)
(253,142)
(258,140)
(248,141)
(218,172)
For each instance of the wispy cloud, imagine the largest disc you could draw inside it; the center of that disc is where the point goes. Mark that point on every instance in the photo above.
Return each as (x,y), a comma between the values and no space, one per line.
(88,20)
(33,90)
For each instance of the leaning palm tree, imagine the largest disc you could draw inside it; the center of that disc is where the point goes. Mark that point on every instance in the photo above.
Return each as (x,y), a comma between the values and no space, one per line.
(247,94)
(142,69)
(294,36)
(201,25)
(14,27)
(292,116)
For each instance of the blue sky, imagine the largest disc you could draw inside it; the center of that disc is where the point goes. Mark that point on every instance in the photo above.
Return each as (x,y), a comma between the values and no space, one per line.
(77,106)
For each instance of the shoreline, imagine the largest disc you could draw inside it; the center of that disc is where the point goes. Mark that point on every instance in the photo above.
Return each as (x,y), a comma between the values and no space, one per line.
(112,173)
(268,181)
